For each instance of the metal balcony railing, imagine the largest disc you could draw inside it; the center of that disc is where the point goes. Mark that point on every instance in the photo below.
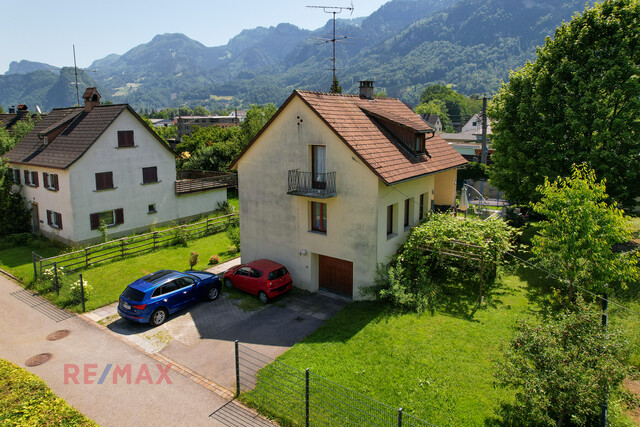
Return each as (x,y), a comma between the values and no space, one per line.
(319,185)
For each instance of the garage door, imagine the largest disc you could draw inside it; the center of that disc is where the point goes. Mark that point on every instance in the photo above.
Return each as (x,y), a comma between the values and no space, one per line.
(336,275)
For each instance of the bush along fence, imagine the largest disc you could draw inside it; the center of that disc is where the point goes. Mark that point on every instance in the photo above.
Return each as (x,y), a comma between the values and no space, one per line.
(70,289)
(133,245)
(299,398)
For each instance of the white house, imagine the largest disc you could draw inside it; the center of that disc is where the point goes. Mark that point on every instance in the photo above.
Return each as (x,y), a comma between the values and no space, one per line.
(80,166)
(333,183)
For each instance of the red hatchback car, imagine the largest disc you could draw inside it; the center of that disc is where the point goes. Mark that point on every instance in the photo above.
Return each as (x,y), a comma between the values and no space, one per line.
(262,277)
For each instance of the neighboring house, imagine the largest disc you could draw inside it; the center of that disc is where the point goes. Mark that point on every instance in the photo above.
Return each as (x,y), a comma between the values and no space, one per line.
(185,124)
(468,142)
(434,121)
(333,183)
(9,120)
(101,163)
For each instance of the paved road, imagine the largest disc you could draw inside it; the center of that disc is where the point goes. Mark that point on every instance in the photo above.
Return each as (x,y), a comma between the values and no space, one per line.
(24,326)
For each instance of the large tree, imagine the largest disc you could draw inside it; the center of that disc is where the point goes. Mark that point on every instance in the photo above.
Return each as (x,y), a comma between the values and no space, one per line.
(575,242)
(14,216)
(578,102)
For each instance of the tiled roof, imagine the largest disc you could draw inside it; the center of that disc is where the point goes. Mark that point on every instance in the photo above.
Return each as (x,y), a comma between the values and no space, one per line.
(355,121)
(76,131)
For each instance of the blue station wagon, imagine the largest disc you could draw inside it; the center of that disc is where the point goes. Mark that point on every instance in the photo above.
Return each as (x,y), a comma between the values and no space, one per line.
(152,298)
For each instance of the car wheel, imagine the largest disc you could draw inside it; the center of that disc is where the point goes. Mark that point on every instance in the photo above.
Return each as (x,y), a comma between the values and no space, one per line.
(264,298)
(158,317)
(227,283)
(213,293)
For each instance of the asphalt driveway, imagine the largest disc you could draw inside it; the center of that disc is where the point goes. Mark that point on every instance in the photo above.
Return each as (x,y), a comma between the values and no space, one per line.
(202,337)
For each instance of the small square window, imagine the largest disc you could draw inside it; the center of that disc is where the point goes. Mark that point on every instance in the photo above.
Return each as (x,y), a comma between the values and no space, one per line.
(150,175)
(152,208)
(104,180)
(125,138)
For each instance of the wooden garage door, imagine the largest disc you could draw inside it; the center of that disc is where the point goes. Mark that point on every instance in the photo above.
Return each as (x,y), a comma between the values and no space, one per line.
(336,275)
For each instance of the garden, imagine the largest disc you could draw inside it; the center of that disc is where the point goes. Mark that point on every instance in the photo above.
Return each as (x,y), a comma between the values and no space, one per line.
(104,281)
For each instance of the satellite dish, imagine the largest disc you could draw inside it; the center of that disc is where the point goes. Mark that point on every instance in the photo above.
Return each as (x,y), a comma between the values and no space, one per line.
(38,109)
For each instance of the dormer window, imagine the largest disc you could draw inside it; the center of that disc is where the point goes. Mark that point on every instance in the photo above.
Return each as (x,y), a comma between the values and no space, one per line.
(419,144)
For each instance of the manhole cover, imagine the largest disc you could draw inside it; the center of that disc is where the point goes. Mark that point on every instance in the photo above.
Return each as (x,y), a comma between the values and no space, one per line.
(58,335)
(38,359)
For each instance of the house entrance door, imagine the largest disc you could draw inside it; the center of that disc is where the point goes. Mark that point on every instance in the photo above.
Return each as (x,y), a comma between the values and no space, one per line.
(335,275)
(35,218)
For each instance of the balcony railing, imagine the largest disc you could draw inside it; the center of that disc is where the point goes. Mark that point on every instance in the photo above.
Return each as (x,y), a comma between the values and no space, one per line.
(319,185)
(203,181)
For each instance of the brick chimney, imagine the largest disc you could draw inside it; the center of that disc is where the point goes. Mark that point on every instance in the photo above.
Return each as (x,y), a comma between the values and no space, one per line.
(22,110)
(366,89)
(91,98)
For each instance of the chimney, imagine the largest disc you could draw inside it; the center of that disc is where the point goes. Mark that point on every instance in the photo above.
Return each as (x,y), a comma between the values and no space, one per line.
(12,109)
(366,89)
(22,110)
(91,98)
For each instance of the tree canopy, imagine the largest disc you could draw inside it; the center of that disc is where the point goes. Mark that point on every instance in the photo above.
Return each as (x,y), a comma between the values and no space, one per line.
(579,101)
(14,216)
(575,242)
(451,106)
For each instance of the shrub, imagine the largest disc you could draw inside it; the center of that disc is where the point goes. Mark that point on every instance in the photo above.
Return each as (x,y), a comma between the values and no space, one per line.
(233,249)
(214,260)
(224,208)
(233,233)
(181,236)
(75,291)
(193,259)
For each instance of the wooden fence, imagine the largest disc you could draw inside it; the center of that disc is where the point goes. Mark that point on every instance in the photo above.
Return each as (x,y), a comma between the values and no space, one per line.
(133,245)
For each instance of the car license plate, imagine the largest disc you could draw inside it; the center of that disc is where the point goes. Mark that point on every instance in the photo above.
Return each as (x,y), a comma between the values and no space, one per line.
(127,306)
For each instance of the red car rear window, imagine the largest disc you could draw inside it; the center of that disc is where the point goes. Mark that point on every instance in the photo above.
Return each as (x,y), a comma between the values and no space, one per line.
(276,274)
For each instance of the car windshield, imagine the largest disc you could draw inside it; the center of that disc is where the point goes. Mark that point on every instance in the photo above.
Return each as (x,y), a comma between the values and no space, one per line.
(133,294)
(276,274)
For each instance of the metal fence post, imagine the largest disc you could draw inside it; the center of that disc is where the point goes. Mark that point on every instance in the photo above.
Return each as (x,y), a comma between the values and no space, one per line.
(237,370)
(55,277)
(35,270)
(306,416)
(400,417)
(82,292)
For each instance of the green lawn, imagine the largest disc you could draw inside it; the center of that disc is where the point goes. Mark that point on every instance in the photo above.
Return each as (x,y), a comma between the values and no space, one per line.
(25,400)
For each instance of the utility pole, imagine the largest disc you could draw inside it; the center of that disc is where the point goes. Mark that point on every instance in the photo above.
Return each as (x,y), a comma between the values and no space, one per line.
(483,155)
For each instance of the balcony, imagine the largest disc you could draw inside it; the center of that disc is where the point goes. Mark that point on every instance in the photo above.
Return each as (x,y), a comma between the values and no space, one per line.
(192,181)
(304,184)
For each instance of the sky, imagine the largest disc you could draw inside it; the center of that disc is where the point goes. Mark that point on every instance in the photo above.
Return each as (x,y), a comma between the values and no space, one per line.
(46,30)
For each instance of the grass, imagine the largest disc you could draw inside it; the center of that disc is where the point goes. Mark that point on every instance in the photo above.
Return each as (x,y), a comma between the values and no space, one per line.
(436,367)
(25,400)
(109,280)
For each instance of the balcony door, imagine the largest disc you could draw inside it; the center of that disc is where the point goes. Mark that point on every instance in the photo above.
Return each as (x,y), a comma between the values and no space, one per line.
(318,160)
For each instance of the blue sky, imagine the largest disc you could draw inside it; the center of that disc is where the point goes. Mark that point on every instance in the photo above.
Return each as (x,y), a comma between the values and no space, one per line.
(46,30)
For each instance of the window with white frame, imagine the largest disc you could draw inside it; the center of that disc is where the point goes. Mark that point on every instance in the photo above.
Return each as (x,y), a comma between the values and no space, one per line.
(50,181)
(109,218)
(319,217)
(54,219)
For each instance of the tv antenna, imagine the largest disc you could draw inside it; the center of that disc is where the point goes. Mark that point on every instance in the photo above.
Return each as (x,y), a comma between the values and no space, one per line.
(333,10)
(75,68)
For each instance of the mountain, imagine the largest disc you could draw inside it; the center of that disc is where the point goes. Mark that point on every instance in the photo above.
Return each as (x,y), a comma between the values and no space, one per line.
(24,67)
(404,46)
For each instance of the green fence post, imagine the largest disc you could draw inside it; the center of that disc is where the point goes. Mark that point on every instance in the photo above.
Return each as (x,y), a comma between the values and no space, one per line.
(35,270)
(237,371)
(400,417)
(55,277)
(306,397)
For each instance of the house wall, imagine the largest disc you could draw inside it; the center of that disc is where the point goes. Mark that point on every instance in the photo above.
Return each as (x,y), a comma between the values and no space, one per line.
(277,225)
(129,193)
(44,199)
(445,187)
(396,195)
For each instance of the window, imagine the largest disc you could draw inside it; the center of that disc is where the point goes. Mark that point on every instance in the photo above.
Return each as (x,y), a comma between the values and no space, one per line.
(104,180)
(109,218)
(34,179)
(389,220)
(419,147)
(407,207)
(319,217)
(256,273)
(125,138)
(418,144)
(50,181)
(150,175)
(152,208)
(276,274)
(318,161)
(16,176)
(27,178)
(421,211)
(54,219)
(244,271)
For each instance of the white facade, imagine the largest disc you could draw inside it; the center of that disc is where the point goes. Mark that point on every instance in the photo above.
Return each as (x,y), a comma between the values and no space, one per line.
(278,226)
(142,204)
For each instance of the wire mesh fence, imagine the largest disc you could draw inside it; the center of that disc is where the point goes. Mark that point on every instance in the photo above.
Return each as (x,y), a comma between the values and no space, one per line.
(66,288)
(296,397)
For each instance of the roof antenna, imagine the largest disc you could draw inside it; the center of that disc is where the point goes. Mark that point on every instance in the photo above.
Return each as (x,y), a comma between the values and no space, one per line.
(75,67)
(334,10)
